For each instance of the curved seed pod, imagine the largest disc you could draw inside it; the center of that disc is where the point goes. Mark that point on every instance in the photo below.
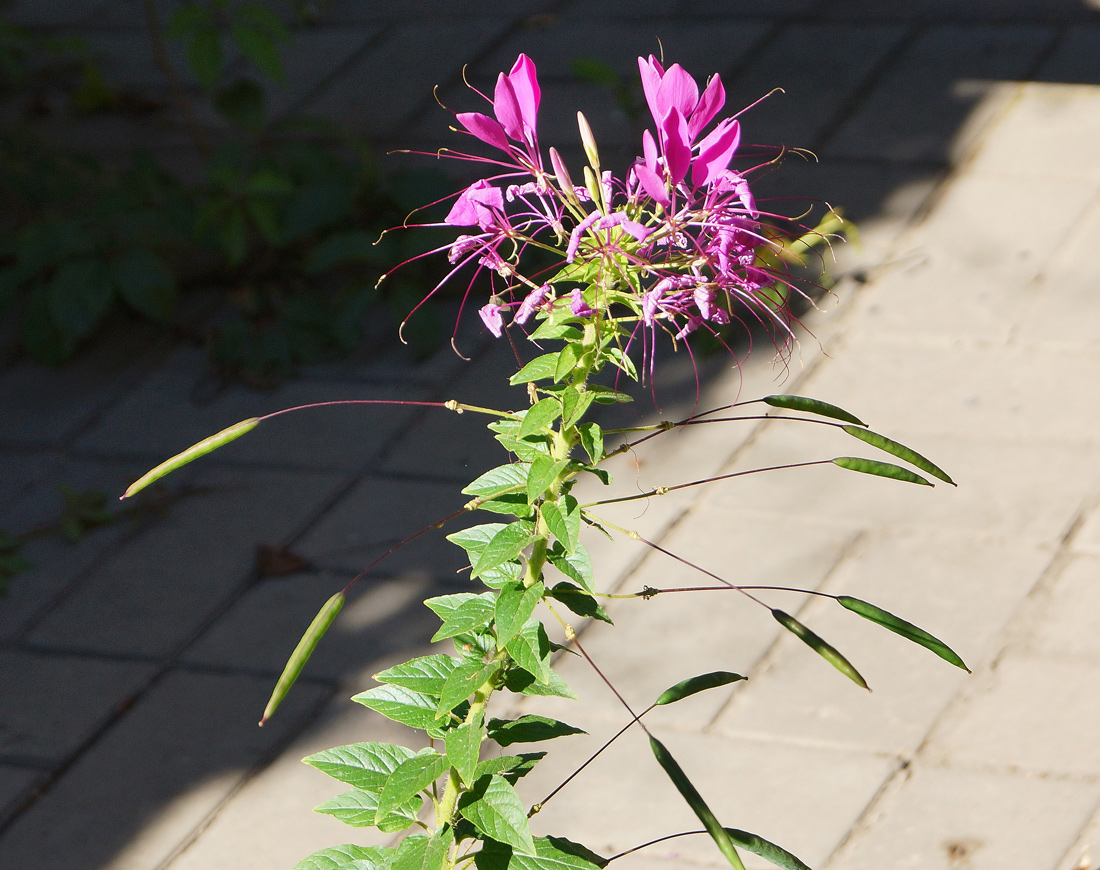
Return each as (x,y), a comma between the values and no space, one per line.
(812,406)
(899,626)
(193,452)
(696,684)
(302,652)
(696,802)
(881,469)
(888,445)
(819,646)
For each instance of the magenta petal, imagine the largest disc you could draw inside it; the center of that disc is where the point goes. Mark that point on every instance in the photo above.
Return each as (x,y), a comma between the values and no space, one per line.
(677,145)
(652,184)
(506,108)
(485,128)
(677,91)
(710,103)
(715,152)
(649,150)
(525,85)
(651,72)
(490,316)
(578,306)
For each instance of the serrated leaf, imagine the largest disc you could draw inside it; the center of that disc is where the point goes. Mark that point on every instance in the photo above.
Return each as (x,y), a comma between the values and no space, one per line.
(504,546)
(551,853)
(580,602)
(567,361)
(696,802)
(302,652)
(542,475)
(79,294)
(563,518)
(692,685)
(540,368)
(425,674)
(349,857)
(146,284)
(767,850)
(888,445)
(502,479)
(539,416)
(524,683)
(880,469)
(358,809)
(812,406)
(515,604)
(531,650)
(899,626)
(466,679)
(592,441)
(474,539)
(191,453)
(424,853)
(576,566)
(464,746)
(363,765)
(528,729)
(574,405)
(461,612)
(494,808)
(410,777)
(410,708)
(819,646)
(511,767)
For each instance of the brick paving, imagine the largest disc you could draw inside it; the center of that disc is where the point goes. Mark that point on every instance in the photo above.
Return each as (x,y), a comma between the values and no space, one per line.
(965,140)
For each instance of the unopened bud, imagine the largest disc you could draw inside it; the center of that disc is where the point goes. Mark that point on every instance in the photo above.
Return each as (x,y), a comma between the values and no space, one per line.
(589,142)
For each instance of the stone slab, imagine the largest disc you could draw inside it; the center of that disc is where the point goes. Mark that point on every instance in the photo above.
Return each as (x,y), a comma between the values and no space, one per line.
(1032,713)
(935,99)
(154,594)
(934,581)
(179,405)
(53,704)
(944,819)
(1064,620)
(381,619)
(156,776)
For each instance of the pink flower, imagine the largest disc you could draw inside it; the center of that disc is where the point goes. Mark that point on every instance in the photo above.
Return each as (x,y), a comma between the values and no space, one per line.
(578,306)
(480,205)
(491,317)
(516,106)
(534,299)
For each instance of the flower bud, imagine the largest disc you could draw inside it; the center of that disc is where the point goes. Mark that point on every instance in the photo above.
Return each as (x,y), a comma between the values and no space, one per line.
(589,142)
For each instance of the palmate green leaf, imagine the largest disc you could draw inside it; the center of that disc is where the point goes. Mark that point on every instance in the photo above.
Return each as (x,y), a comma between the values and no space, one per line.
(692,685)
(466,679)
(419,852)
(530,649)
(302,652)
(79,294)
(463,747)
(401,705)
(819,646)
(461,612)
(366,766)
(494,808)
(146,284)
(528,729)
(349,857)
(358,809)
(539,416)
(892,447)
(696,802)
(881,469)
(580,602)
(511,767)
(540,368)
(515,604)
(899,626)
(425,674)
(410,777)
(191,453)
(767,850)
(812,406)
(504,546)
(551,853)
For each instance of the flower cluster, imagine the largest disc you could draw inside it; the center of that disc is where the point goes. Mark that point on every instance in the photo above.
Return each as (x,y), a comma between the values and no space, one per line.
(676,244)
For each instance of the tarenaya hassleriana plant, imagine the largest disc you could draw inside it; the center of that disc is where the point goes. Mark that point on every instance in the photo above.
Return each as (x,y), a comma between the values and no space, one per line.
(675,246)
